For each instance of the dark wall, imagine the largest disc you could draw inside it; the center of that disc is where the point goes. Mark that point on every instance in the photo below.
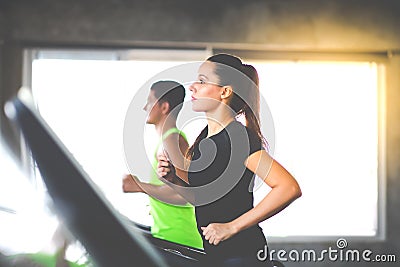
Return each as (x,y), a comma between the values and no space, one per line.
(2,23)
(265,25)
(294,24)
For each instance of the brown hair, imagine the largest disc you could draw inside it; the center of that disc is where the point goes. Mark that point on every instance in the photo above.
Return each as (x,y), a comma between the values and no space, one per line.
(246,94)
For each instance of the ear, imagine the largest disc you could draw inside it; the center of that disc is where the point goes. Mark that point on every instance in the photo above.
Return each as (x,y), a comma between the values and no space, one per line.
(165,108)
(227,91)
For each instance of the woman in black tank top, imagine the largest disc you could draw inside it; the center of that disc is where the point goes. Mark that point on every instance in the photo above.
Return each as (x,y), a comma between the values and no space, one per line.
(224,160)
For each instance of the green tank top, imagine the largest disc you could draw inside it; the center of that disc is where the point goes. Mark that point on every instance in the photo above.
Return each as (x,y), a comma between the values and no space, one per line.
(173,223)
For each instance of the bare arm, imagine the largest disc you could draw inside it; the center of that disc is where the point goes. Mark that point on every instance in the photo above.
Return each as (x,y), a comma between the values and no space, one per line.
(167,172)
(174,146)
(131,184)
(284,190)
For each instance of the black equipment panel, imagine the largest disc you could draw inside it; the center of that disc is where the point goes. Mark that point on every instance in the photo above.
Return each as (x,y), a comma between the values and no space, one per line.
(107,236)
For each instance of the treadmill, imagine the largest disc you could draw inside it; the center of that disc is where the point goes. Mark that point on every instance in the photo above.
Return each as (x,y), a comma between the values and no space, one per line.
(109,238)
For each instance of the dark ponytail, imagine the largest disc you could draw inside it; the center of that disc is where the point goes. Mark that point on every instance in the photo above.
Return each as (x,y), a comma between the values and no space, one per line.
(189,152)
(251,109)
(246,97)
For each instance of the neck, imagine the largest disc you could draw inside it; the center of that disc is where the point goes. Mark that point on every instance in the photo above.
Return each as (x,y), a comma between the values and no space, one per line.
(218,120)
(164,125)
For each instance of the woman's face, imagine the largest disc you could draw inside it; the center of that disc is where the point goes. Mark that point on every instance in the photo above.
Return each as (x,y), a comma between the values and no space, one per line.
(206,91)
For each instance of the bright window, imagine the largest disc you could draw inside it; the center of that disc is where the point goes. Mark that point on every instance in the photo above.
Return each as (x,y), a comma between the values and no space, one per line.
(26,224)
(326,127)
(85,101)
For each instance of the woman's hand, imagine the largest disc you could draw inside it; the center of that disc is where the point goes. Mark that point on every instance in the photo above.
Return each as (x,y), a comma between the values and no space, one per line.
(217,232)
(166,171)
(131,184)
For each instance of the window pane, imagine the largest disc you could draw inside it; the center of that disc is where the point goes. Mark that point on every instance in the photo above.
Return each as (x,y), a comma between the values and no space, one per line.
(326,124)
(26,224)
(326,128)
(84,102)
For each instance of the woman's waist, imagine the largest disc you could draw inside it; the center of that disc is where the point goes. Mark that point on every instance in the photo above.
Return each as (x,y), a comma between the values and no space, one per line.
(244,244)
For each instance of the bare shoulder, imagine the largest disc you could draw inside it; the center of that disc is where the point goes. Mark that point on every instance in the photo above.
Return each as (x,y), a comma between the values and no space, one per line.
(176,140)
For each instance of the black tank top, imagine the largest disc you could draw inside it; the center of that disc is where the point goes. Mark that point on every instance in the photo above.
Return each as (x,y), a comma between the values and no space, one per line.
(222,156)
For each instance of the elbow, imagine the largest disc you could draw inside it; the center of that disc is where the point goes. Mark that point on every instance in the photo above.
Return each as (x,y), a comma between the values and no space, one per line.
(297,192)
(125,188)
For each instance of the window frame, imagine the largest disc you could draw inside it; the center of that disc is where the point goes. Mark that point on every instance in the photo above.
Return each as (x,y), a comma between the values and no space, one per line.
(112,53)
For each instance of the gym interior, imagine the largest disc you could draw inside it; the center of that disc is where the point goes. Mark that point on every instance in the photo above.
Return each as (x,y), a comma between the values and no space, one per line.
(339,62)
